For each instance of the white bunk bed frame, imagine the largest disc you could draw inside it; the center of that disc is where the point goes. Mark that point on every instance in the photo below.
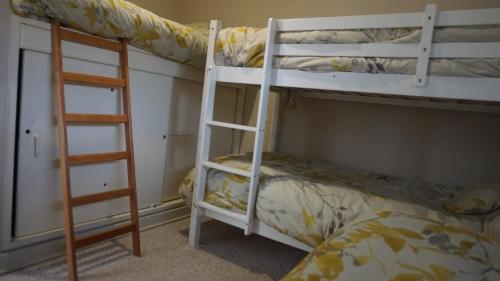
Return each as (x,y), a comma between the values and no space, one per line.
(419,85)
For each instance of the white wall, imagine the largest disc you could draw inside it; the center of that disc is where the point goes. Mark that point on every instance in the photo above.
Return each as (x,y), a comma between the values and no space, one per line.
(416,143)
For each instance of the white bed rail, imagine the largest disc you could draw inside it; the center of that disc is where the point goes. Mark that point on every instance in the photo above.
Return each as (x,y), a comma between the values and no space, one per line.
(423,51)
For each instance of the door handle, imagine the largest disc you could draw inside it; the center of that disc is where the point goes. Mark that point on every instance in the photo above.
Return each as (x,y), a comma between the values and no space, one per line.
(36,145)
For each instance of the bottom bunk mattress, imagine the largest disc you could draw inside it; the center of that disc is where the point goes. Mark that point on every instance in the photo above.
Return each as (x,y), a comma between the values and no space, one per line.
(310,200)
(395,246)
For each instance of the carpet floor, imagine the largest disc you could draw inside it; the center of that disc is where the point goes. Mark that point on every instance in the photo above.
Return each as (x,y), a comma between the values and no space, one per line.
(226,254)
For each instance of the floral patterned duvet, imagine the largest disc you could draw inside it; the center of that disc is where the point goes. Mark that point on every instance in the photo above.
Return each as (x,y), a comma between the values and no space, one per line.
(310,200)
(244,46)
(401,247)
(121,19)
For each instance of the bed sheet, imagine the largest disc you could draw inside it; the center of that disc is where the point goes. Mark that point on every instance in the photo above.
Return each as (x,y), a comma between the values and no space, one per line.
(399,247)
(310,200)
(121,19)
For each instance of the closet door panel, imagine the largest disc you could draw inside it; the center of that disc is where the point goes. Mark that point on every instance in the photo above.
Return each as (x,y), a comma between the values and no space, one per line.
(38,205)
(151,97)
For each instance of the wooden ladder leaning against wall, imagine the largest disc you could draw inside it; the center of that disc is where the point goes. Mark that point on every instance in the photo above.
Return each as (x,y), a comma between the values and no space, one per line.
(66,160)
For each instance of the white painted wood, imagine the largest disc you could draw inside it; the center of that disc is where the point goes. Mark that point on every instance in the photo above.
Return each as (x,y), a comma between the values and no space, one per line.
(227,213)
(241,75)
(424,50)
(232,126)
(351,22)
(392,84)
(391,50)
(204,135)
(446,18)
(261,124)
(9,58)
(227,169)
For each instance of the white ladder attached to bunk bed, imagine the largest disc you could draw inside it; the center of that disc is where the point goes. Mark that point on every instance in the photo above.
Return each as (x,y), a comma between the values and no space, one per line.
(201,207)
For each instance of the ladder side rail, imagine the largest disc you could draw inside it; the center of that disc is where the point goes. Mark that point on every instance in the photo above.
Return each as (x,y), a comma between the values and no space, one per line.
(261,123)
(58,84)
(134,215)
(424,50)
(204,135)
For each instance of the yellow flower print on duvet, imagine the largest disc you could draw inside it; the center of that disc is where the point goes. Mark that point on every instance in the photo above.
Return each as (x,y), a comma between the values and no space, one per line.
(121,19)
(400,247)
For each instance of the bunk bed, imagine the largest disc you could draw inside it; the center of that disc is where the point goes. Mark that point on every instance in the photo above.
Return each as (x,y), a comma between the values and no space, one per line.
(451,55)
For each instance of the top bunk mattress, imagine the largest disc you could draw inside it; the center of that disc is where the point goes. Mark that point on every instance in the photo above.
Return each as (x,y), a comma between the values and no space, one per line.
(244,47)
(115,19)
(310,200)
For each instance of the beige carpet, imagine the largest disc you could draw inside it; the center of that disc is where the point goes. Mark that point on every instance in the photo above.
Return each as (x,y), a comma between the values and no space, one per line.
(226,254)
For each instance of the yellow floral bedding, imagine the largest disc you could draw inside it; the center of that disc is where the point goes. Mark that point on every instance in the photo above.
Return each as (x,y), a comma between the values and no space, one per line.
(310,200)
(400,247)
(244,47)
(121,19)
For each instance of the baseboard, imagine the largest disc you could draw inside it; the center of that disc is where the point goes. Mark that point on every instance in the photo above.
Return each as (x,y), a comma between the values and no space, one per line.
(54,246)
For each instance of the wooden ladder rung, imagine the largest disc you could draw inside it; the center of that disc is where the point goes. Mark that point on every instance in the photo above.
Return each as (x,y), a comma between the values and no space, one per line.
(91,239)
(95,118)
(81,159)
(90,40)
(99,197)
(93,80)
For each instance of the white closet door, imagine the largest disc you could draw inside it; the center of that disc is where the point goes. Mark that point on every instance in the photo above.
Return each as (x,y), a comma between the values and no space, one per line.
(151,102)
(38,205)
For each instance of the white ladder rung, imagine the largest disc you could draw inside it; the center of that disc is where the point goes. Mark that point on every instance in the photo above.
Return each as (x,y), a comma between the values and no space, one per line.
(231,214)
(232,126)
(227,169)
(240,75)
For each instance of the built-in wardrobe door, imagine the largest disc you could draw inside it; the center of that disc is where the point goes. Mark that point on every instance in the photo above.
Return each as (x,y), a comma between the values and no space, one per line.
(37,192)
(151,104)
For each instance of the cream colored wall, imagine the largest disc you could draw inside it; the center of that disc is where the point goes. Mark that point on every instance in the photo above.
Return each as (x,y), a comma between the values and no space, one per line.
(256,12)
(165,8)
(442,146)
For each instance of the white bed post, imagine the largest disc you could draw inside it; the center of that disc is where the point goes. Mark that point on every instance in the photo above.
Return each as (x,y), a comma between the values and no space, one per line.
(424,50)
(261,123)
(204,134)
